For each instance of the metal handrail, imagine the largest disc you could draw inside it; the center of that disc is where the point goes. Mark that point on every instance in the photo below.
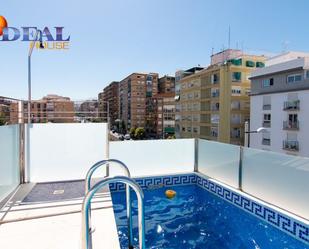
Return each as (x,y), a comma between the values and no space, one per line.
(128,194)
(86,233)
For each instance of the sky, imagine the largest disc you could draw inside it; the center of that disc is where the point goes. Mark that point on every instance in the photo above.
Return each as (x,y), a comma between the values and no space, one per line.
(112,38)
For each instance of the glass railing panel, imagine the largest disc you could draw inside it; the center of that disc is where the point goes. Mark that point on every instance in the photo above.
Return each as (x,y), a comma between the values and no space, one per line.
(155,157)
(280,179)
(219,161)
(60,152)
(9,159)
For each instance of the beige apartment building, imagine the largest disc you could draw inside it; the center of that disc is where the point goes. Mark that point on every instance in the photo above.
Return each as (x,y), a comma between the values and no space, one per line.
(214,102)
(135,93)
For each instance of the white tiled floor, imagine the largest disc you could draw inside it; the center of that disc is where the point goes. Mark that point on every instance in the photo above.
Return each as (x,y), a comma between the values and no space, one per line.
(56,225)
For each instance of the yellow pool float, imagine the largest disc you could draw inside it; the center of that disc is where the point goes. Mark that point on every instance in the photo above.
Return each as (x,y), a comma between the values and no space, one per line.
(170,194)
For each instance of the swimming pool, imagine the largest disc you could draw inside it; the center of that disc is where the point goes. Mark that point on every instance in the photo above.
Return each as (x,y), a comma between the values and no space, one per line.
(196,218)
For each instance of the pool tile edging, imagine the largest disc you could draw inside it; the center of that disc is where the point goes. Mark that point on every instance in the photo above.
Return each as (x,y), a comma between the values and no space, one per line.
(283,222)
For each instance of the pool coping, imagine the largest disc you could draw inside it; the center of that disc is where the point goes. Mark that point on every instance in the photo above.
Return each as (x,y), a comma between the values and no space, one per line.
(285,221)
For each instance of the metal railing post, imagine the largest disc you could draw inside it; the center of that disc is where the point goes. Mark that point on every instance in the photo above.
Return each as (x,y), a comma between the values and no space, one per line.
(196,154)
(240,169)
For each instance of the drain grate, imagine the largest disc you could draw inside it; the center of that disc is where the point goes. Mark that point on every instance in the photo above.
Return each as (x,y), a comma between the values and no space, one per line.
(58,192)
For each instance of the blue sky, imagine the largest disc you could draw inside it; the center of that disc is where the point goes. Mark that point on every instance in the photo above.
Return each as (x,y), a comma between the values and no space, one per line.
(112,38)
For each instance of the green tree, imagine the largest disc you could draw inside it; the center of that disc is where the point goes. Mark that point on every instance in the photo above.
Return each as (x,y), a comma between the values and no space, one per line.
(139,133)
(2,119)
(132,132)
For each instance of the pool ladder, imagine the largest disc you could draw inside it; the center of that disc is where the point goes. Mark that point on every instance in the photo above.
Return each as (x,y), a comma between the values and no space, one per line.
(91,191)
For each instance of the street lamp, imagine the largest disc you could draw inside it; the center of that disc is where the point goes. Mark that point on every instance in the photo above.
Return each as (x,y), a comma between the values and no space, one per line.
(36,36)
(247,132)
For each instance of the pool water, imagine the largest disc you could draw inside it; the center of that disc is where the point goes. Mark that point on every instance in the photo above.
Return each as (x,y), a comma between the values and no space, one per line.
(196,218)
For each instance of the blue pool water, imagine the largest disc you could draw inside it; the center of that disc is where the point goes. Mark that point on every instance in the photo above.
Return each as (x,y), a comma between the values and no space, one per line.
(196,218)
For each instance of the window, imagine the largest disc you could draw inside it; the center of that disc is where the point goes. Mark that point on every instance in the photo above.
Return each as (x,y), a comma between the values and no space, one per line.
(267,120)
(307,74)
(236,76)
(260,64)
(214,78)
(250,64)
(293,78)
(268,82)
(236,91)
(266,138)
(195,129)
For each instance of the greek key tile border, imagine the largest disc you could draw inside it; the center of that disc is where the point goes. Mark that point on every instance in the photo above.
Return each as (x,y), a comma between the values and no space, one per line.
(277,219)
(158,181)
(283,222)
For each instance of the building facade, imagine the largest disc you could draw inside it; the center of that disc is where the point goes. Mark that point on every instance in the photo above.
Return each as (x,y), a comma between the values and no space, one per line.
(110,94)
(50,109)
(164,114)
(166,84)
(215,101)
(179,75)
(280,103)
(135,100)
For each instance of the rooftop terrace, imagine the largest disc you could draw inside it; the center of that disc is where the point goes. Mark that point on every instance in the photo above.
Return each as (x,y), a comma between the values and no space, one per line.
(42,182)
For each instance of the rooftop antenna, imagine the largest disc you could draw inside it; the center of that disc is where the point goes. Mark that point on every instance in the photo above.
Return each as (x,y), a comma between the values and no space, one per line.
(229,40)
(212,51)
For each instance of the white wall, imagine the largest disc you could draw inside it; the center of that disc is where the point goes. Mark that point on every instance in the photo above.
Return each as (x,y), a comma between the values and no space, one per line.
(58,152)
(279,179)
(9,159)
(278,115)
(219,161)
(155,157)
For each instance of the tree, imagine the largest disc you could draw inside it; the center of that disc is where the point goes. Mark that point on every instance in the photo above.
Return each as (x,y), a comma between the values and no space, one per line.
(2,119)
(139,133)
(132,132)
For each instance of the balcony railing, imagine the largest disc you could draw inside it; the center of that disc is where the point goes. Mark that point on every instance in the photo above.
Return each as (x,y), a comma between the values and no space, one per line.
(266,124)
(215,94)
(267,107)
(291,145)
(291,105)
(266,141)
(288,125)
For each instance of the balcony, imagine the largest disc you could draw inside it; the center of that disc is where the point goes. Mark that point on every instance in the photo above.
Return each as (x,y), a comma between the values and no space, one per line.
(266,123)
(291,105)
(267,107)
(291,145)
(45,210)
(288,125)
(215,94)
(266,141)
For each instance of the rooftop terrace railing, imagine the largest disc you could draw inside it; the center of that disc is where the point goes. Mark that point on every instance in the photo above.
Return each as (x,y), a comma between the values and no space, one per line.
(58,152)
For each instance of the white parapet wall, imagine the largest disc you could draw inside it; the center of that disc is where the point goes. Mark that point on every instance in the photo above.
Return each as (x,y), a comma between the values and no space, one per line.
(155,157)
(9,159)
(57,152)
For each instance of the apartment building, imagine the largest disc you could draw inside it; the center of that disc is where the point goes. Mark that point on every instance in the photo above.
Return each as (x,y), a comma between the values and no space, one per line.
(87,110)
(165,114)
(178,76)
(51,108)
(4,111)
(110,94)
(135,97)
(215,102)
(166,84)
(280,103)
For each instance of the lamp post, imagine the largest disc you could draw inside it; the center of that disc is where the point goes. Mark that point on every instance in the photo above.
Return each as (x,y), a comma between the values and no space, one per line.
(29,69)
(247,132)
